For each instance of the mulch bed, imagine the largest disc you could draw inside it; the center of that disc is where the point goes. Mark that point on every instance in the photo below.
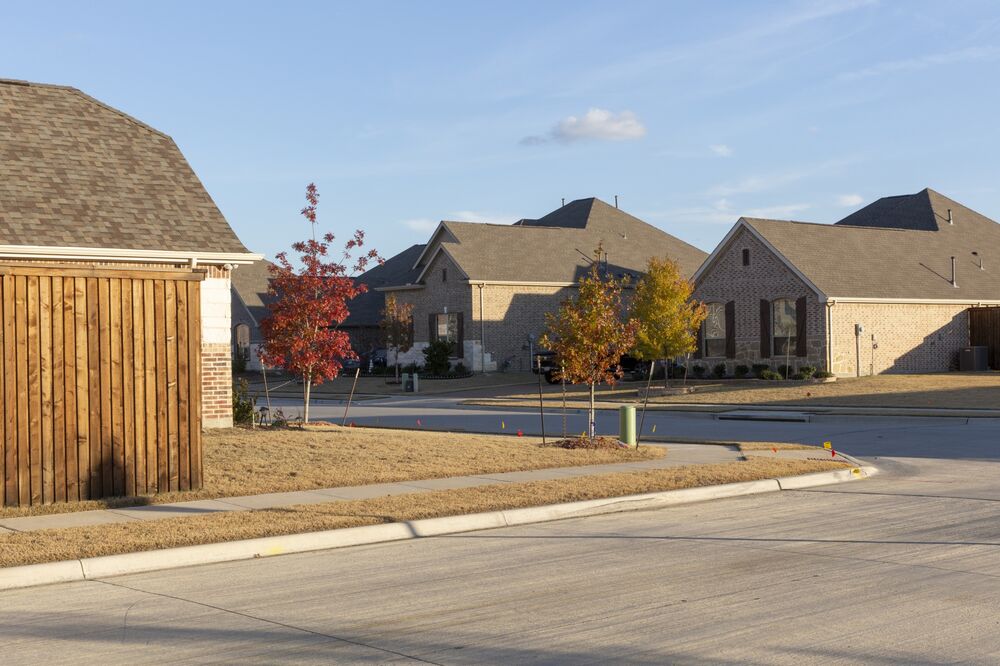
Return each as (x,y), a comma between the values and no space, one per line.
(587,443)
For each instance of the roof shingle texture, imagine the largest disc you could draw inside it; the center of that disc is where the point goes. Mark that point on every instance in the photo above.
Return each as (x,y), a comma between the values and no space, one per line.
(901,248)
(77,173)
(559,247)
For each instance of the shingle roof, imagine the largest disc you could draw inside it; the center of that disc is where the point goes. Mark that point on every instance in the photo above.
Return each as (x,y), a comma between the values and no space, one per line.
(559,246)
(251,283)
(895,255)
(366,309)
(77,173)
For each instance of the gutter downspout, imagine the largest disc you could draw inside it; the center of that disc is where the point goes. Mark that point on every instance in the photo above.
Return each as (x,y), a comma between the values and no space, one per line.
(482,331)
(829,335)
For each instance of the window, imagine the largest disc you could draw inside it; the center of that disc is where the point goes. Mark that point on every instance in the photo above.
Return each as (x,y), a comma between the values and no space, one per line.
(444,275)
(446,328)
(746,257)
(715,330)
(784,327)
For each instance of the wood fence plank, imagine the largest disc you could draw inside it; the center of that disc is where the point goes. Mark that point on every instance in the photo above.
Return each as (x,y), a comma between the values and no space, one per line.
(170,303)
(162,467)
(70,440)
(194,370)
(3,375)
(183,391)
(94,381)
(21,341)
(107,467)
(58,396)
(34,393)
(10,394)
(45,361)
(139,386)
(128,388)
(149,363)
(82,340)
(117,407)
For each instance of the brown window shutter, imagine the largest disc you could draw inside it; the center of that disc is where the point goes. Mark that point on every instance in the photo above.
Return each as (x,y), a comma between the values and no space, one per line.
(731,329)
(699,342)
(801,339)
(765,329)
(431,328)
(460,344)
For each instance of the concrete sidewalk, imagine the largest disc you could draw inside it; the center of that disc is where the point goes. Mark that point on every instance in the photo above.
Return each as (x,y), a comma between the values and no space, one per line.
(678,455)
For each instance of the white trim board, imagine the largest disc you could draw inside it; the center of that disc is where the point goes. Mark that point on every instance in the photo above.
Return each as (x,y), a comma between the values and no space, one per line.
(121,254)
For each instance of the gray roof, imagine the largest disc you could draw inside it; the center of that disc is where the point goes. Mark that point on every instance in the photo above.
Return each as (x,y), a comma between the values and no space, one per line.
(559,246)
(77,173)
(901,249)
(251,282)
(366,309)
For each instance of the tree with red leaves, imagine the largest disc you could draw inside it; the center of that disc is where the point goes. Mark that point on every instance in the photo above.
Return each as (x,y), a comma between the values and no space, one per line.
(308,304)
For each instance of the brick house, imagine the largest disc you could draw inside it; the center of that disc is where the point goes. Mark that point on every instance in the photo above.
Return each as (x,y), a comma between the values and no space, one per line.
(485,288)
(886,289)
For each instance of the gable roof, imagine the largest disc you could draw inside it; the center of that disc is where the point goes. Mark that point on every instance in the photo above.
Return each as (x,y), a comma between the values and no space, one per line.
(894,253)
(557,248)
(76,173)
(250,283)
(366,309)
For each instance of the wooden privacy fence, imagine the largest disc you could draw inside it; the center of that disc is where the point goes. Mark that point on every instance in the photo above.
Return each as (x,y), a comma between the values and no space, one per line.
(101,383)
(984,330)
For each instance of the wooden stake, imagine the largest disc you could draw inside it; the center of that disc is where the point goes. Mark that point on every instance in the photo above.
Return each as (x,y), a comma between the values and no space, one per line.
(351,397)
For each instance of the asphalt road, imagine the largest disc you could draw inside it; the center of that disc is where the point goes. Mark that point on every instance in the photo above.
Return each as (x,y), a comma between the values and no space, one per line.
(901,568)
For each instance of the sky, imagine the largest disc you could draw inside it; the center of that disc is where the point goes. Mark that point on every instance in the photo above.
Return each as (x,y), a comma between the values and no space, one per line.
(406,113)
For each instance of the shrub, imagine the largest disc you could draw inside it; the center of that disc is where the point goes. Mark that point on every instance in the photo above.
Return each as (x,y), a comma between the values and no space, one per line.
(770,375)
(243,403)
(436,357)
(719,371)
(698,370)
(823,374)
(759,368)
(460,369)
(741,371)
(240,358)
(677,372)
(798,376)
(785,371)
(807,371)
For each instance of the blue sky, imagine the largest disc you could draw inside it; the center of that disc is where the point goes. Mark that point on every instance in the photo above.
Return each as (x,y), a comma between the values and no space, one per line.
(406,113)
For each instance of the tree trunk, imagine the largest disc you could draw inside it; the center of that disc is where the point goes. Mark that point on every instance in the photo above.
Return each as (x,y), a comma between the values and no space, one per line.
(308,390)
(666,373)
(592,429)
(395,355)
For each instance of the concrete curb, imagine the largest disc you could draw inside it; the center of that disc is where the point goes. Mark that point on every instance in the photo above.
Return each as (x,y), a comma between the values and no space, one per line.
(171,558)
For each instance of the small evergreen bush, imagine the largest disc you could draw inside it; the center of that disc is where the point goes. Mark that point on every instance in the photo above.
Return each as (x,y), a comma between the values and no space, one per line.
(741,371)
(436,357)
(770,375)
(719,371)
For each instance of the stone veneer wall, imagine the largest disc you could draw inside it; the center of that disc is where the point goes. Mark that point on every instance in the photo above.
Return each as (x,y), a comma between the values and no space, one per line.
(216,349)
(910,337)
(767,277)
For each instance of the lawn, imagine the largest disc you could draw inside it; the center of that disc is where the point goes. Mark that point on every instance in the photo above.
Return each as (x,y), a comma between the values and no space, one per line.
(959,390)
(78,542)
(378,386)
(249,462)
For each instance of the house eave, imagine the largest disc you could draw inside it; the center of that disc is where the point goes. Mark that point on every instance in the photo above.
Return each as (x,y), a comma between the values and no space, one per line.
(911,301)
(124,254)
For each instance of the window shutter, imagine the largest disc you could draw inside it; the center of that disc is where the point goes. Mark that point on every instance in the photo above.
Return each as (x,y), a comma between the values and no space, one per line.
(460,343)
(731,329)
(801,341)
(699,341)
(431,328)
(765,329)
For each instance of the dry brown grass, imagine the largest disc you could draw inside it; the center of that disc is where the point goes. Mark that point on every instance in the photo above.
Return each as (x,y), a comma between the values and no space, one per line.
(371,386)
(957,390)
(78,542)
(252,462)
(776,446)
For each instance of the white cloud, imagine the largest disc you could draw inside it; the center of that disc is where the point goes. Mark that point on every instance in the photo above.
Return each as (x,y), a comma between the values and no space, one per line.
(422,225)
(596,124)
(849,200)
(781,211)
(970,54)
(479,216)
(721,149)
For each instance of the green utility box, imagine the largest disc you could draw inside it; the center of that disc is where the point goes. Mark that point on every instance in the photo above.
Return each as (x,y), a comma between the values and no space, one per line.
(626,424)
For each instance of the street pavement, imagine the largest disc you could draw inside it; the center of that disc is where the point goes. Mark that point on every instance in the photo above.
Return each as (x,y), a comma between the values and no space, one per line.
(901,568)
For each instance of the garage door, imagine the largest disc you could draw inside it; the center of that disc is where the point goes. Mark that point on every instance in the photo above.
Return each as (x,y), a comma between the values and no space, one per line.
(101,383)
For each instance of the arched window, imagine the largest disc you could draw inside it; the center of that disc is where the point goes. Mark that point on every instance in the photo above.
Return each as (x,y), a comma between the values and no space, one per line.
(715,330)
(241,337)
(783,325)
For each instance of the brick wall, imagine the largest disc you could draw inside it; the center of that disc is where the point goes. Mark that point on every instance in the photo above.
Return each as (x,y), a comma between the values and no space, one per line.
(910,337)
(216,349)
(768,278)
(512,314)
